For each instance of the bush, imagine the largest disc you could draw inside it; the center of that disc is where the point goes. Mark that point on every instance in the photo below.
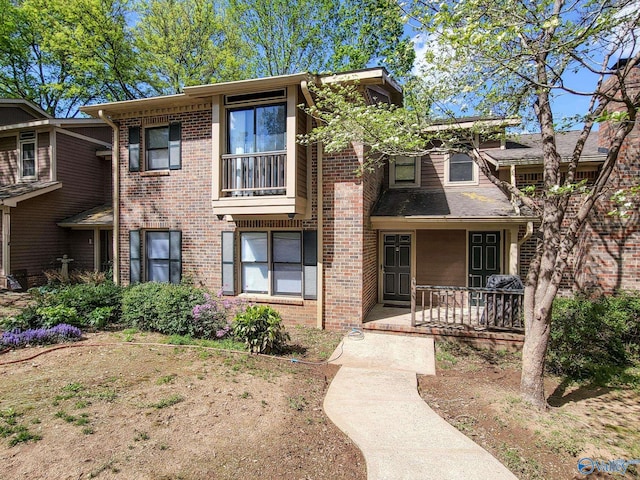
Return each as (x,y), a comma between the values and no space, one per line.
(86,298)
(41,336)
(213,318)
(161,307)
(589,336)
(58,314)
(260,328)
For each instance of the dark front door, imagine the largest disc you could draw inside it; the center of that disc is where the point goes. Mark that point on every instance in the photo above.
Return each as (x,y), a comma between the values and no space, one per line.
(484,257)
(397,267)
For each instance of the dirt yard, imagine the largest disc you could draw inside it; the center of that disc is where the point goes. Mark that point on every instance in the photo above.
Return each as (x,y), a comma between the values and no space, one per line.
(157,412)
(477,392)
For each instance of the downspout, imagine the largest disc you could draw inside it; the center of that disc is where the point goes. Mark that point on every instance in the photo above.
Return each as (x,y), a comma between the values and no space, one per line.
(320,243)
(115,168)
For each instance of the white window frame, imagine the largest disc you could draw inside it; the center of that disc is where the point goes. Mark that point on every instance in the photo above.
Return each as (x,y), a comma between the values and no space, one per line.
(270,263)
(392,173)
(447,171)
(21,143)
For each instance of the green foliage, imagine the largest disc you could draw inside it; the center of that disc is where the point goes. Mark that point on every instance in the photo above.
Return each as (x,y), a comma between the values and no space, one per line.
(323,35)
(54,315)
(260,328)
(591,338)
(167,402)
(188,42)
(81,305)
(161,307)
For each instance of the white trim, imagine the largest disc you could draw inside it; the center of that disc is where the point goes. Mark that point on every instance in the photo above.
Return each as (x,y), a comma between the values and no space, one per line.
(474,165)
(82,137)
(21,143)
(6,237)
(54,122)
(53,156)
(13,201)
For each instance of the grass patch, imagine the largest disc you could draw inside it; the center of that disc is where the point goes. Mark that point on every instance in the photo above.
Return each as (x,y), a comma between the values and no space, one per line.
(166,379)
(298,403)
(13,430)
(222,344)
(167,402)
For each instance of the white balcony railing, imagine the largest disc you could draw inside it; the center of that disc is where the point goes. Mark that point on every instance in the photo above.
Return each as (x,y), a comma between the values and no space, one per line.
(254,174)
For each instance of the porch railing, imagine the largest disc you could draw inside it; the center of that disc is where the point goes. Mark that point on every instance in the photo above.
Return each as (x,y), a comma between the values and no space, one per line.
(467,307)
(254,174)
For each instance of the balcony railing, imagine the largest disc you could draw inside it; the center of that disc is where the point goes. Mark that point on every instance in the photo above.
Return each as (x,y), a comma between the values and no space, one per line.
(254,174)
(467,307)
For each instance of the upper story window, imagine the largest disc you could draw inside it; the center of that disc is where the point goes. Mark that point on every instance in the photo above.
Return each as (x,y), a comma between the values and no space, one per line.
(261,128)
(162,148)
(27,155)
(461,168)
(404,172)
(256,162)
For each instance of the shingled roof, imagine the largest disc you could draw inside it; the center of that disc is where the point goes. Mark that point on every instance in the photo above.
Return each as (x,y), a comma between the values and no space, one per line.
(453,202)
(527,149)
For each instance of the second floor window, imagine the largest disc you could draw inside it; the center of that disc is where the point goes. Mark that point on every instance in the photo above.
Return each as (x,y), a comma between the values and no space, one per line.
(27,155)
(257,129)
(404,172)
(162,143)
(461,168)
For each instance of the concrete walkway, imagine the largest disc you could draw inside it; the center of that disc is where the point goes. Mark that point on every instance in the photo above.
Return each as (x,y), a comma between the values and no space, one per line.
(374,400)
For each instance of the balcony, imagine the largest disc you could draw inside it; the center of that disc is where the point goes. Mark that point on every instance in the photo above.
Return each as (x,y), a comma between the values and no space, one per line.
(254,174)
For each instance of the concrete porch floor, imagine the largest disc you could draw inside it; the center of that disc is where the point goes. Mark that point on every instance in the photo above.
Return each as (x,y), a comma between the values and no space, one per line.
(396,319)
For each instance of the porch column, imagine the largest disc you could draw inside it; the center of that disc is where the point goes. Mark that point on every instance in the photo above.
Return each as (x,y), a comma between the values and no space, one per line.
(6,236)
(96,249)
(513,251)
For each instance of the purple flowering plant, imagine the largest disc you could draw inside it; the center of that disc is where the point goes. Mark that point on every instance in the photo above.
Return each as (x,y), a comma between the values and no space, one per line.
(213,318)
(40,336)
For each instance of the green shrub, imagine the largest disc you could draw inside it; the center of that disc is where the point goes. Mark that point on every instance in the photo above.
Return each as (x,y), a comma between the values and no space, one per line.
(161,307)
(260,328)
(590,336)
(86,298)
(57,314)
(25,320)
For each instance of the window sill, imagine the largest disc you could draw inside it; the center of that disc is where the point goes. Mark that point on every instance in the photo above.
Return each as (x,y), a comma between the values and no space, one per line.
(155,173)
(256,298)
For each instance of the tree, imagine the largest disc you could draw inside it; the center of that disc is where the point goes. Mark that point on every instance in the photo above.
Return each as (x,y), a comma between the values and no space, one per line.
(188,42)
(75,53)
(513,57)
(323,35)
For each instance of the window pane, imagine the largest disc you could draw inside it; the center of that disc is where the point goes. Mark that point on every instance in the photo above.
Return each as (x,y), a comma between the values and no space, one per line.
(158,245)
(253,247)
(241,134)
(158,159)
(405,173)
(460,168)
(158,271)
(286,247)
(255,277)
(287,279)
(28,159)
(270,128)
(158,137)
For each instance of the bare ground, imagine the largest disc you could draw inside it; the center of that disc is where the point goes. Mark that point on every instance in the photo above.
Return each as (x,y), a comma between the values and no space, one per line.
(157,412)
(477,392)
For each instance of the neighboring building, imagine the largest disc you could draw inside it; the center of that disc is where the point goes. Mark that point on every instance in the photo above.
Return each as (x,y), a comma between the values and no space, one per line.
(213,187)
(55,192)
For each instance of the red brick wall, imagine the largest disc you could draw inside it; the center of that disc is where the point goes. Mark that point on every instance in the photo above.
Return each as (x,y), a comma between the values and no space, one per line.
(607,255)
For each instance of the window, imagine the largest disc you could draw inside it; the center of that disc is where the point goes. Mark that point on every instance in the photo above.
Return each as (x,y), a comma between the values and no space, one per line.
(404,172)
(273,263)
(162,148)
(257,129)
(27,155)
(461,168)
(162,253)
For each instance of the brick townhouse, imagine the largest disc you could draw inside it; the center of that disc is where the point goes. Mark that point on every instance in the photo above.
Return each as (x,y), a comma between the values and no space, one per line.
(211,185)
